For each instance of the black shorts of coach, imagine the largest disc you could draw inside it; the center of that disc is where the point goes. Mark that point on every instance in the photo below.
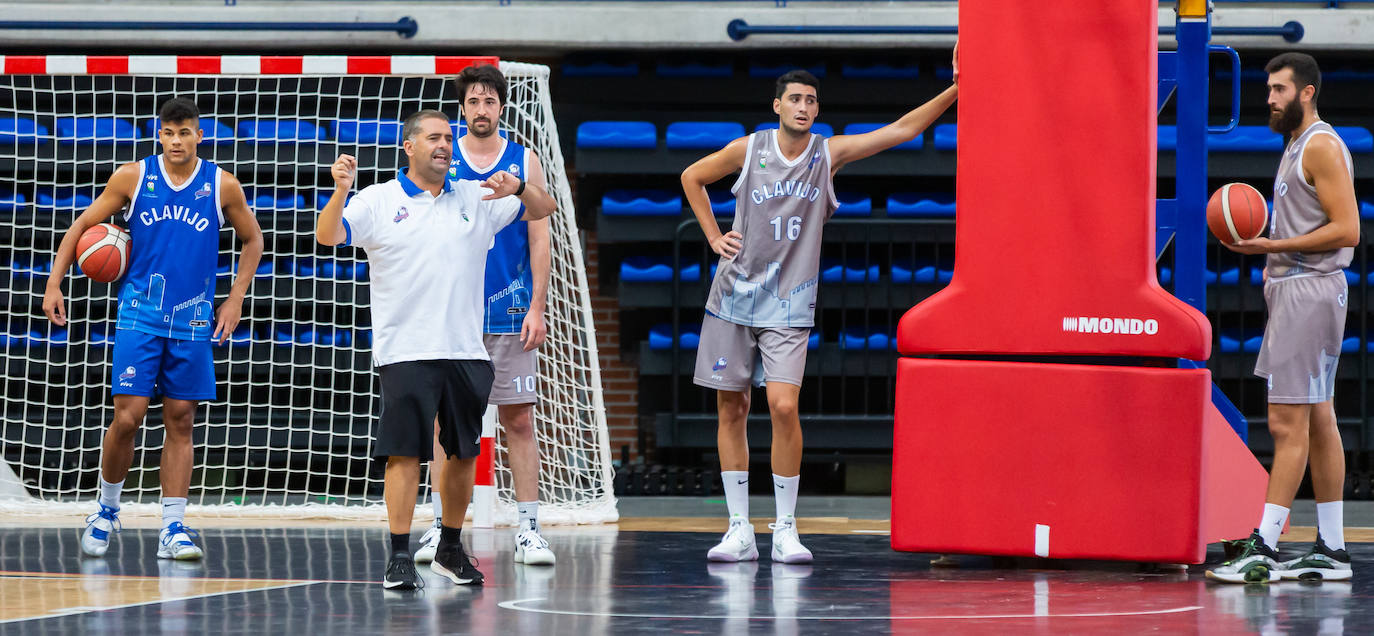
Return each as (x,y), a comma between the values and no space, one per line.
(415,393)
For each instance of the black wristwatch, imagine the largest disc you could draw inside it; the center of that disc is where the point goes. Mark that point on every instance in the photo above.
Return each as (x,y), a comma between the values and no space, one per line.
(520,190)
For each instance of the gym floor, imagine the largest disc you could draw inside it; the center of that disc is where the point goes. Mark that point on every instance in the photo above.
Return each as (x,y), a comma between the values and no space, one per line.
(645,574)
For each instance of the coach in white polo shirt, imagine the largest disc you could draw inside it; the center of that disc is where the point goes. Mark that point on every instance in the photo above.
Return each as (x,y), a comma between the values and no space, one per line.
(426,240)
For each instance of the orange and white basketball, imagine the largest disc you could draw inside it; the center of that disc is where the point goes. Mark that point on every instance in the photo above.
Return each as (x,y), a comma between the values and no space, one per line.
(103,253)
(1237,212)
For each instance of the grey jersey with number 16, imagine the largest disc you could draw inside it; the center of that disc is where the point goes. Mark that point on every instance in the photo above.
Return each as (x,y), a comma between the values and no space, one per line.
(780,208)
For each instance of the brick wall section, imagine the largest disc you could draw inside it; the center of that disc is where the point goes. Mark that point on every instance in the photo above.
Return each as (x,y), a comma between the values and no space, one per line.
(619,380)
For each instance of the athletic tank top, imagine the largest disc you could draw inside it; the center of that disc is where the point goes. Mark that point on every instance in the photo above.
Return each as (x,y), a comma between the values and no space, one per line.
(509,281)
(169,289)
(780,208)
(1297,211)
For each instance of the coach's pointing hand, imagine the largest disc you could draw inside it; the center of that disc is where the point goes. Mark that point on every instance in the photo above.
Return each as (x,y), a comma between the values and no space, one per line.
(344,171)
(502,184)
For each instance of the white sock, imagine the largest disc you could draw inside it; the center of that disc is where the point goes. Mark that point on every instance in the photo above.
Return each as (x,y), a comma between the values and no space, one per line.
(529,515)
(438,505)
(736,493)
(173,510)
(1331,524)
(785,495)
(1271,525)
(109,493)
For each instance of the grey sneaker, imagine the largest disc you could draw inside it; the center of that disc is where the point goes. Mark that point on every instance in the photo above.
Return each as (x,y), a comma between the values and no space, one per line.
(1254,562)
(1319,564)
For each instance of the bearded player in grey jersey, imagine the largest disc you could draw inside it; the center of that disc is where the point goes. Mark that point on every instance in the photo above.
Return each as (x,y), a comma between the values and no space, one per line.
(1312,236)
(762,303)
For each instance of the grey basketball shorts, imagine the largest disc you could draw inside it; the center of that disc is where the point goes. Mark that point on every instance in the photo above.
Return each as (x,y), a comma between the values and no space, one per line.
(515,381)
(731,356)
(1302,339)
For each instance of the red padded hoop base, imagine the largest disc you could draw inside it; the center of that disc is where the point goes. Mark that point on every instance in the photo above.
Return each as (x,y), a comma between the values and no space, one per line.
(1111,462)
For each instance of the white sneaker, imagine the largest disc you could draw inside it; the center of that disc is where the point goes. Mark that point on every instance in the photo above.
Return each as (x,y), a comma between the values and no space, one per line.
(95,540)
(736,545)
(174,542)
(787,547)
(532,549)
(429,544)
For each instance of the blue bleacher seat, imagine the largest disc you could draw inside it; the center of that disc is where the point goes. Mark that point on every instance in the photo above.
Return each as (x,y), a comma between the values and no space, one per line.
(767,70)
(302,267)
(280,201)
(880,71)
(1366,209)
(1229,276)
(859,129)
(921,273)
(600,68)
(661,336)
(1352,277)
(1257,275)
(1246,139)
(242,336)
(13,337)
(695,69)
(617,134)
(859,338)
(1165,275)
(944,72)
(279,130)
(1358,140)
(11,201)
(854,204)
(30,266)
(702,135)
(820,128)
(95,130)
(913,204)
(946,136)
(100,336)
(215,132)
(64,199)
(1248,341)
(325,268)
(1350,344)
(835,272)
(50,336)
(384,132)
(722,202)
(641,203)
(322,198)
(652,269)
(21,130)
(813,341)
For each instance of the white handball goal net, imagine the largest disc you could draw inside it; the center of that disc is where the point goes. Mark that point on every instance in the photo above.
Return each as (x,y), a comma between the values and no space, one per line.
(290,431)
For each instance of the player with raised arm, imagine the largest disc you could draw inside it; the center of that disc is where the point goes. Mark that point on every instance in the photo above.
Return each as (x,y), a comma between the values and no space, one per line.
(426,239)
(1312,235)
(517,281)
(762,302)
(175,204)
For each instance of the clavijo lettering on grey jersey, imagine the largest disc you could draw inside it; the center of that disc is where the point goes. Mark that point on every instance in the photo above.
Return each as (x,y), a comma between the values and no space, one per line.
(1297,211)
(780,208)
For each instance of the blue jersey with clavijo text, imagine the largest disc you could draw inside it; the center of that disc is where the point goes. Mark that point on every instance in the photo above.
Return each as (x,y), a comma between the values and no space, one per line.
(509,282)
(169,289)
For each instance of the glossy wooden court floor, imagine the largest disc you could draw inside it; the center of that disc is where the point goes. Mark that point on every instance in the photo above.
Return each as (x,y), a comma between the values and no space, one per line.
(614,580)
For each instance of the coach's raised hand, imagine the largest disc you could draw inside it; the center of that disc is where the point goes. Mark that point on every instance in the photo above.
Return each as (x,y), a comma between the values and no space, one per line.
(329,229)
(503,184)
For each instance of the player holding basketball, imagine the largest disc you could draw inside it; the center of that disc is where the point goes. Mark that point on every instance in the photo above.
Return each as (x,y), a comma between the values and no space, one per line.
(1311,239)
(175,204)
(760,310)
(426,238)
(516,282)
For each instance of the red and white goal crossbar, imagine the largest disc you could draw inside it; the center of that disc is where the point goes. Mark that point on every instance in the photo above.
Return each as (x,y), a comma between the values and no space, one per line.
(239,64)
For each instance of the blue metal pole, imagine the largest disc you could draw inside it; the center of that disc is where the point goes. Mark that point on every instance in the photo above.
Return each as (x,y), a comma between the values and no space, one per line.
(1190,242)
(406,27)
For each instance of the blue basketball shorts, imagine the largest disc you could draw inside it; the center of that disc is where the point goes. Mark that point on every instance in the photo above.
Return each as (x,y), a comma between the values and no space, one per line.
(149,365)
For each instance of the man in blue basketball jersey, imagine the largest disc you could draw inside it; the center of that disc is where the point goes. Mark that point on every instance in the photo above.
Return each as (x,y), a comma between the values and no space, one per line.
(174,205)
(513,326)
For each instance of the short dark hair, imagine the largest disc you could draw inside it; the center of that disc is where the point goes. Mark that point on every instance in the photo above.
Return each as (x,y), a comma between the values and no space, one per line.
(178,109)
(1304,67)
(412,123)
(483,75)
(796,76)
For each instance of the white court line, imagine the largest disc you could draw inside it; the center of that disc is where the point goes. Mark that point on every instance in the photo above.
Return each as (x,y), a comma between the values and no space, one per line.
(73,611)
(516,605)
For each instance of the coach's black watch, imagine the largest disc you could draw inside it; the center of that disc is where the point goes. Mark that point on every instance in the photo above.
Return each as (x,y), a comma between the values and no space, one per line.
(520,190)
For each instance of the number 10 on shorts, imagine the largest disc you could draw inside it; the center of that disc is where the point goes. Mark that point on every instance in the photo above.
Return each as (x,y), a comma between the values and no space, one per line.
(523,384)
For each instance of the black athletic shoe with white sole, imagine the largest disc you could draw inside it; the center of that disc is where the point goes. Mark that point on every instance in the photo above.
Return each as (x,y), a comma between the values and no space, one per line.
(401,573)
(452,563)
(1319,564)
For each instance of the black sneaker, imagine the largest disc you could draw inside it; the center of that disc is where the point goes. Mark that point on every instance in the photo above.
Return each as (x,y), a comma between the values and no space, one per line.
(1319,564)
(401,574)
(451,562)
(1254,562)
